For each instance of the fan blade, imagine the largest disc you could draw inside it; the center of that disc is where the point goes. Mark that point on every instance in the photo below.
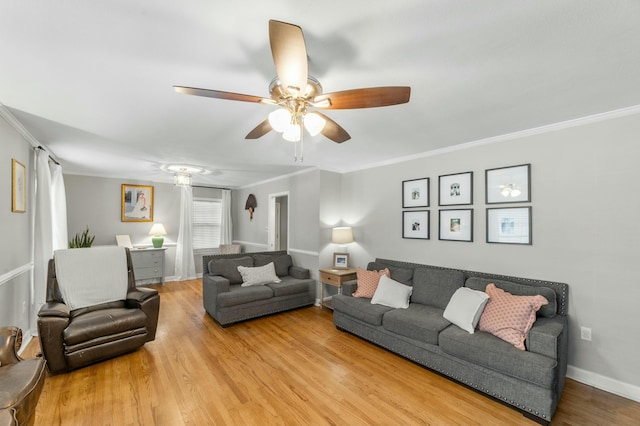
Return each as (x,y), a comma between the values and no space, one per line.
(332,130)
(363,98)
(260,130)
(218,94)
(289,55)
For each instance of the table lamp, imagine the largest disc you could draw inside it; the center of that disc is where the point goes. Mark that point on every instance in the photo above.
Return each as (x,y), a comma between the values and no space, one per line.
(157,230)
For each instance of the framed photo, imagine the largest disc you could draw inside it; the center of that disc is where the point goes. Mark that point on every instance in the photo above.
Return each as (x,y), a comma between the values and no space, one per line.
(455,190)
(508,184)
(137,203)
(18,187)
(415,224)
(509,225)
(415,193)
(456,225)
(340,260)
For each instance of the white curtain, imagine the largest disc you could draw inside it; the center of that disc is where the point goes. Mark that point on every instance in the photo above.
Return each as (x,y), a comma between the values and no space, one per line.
(226,226)
(185,263)
(59,208)
(43,230)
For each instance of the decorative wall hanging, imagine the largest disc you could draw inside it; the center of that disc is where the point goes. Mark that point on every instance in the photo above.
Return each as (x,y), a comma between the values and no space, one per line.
(251,205)
(137,203)
(415,193)
(509,225)
(18,187)
(415,224)
(456,225)
(455,189)
(508,184)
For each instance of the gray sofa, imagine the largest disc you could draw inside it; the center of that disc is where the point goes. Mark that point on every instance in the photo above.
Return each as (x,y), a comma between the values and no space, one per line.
(531,380)
(228,302)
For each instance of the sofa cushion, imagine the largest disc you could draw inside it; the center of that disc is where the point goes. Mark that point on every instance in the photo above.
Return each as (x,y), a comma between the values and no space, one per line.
(228,268)
(419,322)
(488,351)
(237,295)
(359,308)
(548,311)
(281,262)
(289,285)
(465,307)
(368,282)
(510,317)
(102,323)
(258,275)
(434,287)
(392,293)
(402,275)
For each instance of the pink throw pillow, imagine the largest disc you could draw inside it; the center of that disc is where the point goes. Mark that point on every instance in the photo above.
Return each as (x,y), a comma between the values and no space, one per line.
(368,282)
(510,317)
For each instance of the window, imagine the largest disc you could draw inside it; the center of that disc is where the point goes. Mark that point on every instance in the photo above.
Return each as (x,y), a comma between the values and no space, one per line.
(207,216)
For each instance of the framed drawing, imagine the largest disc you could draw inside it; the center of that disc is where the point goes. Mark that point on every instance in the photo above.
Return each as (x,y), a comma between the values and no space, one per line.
(456,189)
(508,184)
(415,193)
(340,260)
(415,224)
(456,225)
(137,203)
(509,225)
(18,186)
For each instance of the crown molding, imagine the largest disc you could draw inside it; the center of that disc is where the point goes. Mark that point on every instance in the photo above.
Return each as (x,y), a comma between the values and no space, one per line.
(13,121)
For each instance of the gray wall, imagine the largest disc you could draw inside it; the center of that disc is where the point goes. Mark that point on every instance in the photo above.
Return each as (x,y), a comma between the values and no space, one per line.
(585,231)
(15,252)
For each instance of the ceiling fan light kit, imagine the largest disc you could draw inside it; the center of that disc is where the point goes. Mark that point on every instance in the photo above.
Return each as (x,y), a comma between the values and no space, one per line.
(296,92)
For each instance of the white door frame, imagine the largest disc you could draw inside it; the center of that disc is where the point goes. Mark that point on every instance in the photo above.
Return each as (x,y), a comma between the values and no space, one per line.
(271,219)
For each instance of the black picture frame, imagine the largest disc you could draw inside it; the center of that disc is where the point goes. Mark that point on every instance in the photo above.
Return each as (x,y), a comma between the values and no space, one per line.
(509,225)
(415,193)
(416,224)
(455,225)
(455,189)
(505,185)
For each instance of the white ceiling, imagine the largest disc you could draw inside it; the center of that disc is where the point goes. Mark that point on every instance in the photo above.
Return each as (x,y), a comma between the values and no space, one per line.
(92,80)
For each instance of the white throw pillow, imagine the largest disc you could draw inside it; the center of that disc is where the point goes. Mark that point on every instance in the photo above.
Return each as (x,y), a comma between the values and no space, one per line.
(465,308)
(392,293)
(258,275)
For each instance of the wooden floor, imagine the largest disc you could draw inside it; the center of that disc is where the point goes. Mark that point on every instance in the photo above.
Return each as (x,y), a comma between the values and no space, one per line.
(293,368)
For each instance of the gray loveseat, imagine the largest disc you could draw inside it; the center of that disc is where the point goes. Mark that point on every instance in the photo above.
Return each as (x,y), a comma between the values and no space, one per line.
(227,301)
(531,380)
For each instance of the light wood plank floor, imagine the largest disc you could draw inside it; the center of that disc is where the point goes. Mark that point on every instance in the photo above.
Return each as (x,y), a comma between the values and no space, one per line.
(293,368)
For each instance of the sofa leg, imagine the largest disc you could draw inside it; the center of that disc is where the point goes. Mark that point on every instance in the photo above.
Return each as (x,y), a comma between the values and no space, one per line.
(535,418)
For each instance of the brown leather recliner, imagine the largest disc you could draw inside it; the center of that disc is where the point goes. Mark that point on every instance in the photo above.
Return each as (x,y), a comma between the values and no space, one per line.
(72,339)
(21,380)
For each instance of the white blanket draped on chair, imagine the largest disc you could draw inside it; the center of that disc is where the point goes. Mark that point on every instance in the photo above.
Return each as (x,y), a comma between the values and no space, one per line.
(90,276)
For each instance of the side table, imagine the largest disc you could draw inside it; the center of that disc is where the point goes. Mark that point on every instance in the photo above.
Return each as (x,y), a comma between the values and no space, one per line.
(334,277)
(148,264)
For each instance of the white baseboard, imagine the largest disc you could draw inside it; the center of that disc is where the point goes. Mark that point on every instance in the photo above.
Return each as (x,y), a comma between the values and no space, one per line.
(604,383)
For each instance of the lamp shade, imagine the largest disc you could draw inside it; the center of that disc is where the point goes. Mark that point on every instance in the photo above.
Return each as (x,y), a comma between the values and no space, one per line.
(157,230)
(342,235)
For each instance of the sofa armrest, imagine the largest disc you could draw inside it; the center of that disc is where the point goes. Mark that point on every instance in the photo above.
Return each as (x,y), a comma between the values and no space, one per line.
(53,318)
(349,287)
(10,341)
(148,300)
(544,337)
(212,286)
(299,272)
(138,295)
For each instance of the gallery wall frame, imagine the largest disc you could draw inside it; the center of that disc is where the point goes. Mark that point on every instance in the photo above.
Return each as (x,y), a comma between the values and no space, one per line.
(18,187)
(415,224)
(415,193)
(456,225)
(137,203)
(455,189)
(510,184)
(509,225)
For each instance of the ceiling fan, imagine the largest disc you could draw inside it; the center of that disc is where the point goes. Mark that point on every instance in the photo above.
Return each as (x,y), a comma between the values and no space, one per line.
(299,95)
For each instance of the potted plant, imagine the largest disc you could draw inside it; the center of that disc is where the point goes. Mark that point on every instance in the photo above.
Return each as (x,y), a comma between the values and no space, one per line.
(82,239)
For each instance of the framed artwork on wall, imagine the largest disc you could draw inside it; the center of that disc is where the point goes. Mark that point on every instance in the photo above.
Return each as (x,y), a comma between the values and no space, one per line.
(137,203)
(456,225)
(509,225)
(455,189)
(508,184)
(340,260)
(18,187)
(415,193)
(415,224)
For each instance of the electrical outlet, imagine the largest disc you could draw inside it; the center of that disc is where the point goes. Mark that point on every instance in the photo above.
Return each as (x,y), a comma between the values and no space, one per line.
(585,333)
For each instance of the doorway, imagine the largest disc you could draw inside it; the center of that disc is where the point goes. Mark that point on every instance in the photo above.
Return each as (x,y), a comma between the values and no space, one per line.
(278,221)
